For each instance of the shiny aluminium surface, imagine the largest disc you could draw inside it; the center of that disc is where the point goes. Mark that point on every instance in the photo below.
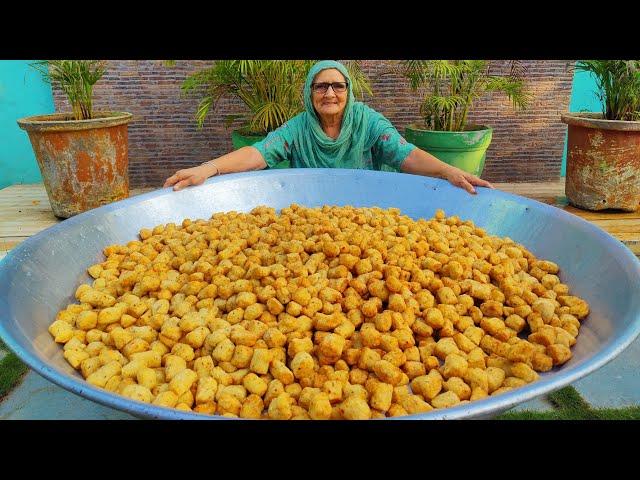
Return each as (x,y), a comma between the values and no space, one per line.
(40,276)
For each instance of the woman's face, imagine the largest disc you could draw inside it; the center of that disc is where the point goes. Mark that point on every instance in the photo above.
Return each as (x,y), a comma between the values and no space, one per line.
(329,102)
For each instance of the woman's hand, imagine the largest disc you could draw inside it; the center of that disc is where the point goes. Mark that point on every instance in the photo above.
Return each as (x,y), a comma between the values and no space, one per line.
(463,179)
(419,162)
(188,176)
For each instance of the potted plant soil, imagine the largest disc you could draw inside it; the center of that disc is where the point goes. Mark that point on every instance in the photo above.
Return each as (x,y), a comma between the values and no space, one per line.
(603,148)
(82,155)
(450,88)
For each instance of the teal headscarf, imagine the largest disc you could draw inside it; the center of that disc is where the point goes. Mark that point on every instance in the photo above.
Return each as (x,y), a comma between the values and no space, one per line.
(361,127)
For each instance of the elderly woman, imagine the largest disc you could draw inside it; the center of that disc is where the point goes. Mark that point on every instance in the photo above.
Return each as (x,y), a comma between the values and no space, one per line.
(334,131)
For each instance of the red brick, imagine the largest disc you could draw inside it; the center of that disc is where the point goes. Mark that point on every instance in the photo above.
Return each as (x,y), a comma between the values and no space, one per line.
(526,146)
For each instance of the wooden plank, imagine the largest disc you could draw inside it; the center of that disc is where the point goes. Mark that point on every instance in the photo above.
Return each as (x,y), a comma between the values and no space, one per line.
(631,240)
(7,243)
(19,223)
(25,211)
(614,229)
(601,215)
(550,193)
(527,188)
(625,226)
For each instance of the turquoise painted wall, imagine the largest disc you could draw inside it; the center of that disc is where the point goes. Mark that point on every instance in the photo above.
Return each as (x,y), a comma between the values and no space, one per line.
(583,99)
(22,93)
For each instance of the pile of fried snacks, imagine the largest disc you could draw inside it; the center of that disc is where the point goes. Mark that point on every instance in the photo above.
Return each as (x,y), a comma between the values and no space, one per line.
(318,313)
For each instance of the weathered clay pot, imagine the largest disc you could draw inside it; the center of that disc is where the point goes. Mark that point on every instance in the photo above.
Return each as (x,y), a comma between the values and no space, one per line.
(84,163)
(603,162)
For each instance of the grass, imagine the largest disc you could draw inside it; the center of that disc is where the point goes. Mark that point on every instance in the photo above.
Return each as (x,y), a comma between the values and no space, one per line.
(571,406)
(11,371)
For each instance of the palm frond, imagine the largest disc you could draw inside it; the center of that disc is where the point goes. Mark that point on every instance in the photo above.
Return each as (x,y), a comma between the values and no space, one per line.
(446,68)
(518,70)
(416,71)
(197,80)
(230,119)
(451,87)
(271,90)
(514,89)
(436,102)
(618,86)
(359,80)
(203,108)
(76,79)
(267,115)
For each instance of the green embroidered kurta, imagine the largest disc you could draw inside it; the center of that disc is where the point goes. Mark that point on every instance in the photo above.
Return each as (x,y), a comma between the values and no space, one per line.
(367,139)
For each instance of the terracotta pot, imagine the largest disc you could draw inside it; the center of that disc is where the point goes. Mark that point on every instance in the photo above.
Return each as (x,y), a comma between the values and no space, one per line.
(84,163)
(603,162)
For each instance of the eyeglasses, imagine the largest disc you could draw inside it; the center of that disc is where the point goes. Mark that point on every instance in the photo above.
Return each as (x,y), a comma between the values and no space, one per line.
(338,87)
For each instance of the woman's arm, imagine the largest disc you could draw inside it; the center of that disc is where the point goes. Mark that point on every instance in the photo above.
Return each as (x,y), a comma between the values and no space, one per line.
(242,160)
(419,162)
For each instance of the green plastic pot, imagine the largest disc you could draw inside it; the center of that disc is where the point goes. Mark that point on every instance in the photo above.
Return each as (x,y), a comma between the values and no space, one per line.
(240,140)
(466,150)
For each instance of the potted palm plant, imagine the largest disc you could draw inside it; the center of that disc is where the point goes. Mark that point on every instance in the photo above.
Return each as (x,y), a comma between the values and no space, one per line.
(82,155)
(270,89)
(450,87)
(603,148)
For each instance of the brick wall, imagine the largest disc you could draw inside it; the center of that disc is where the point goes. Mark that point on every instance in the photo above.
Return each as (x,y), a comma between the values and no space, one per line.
(526,146)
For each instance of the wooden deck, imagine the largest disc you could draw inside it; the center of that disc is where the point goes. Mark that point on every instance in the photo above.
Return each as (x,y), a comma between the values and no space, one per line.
(25,211)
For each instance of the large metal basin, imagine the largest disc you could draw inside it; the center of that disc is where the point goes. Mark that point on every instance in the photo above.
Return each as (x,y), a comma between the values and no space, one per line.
(39,277)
